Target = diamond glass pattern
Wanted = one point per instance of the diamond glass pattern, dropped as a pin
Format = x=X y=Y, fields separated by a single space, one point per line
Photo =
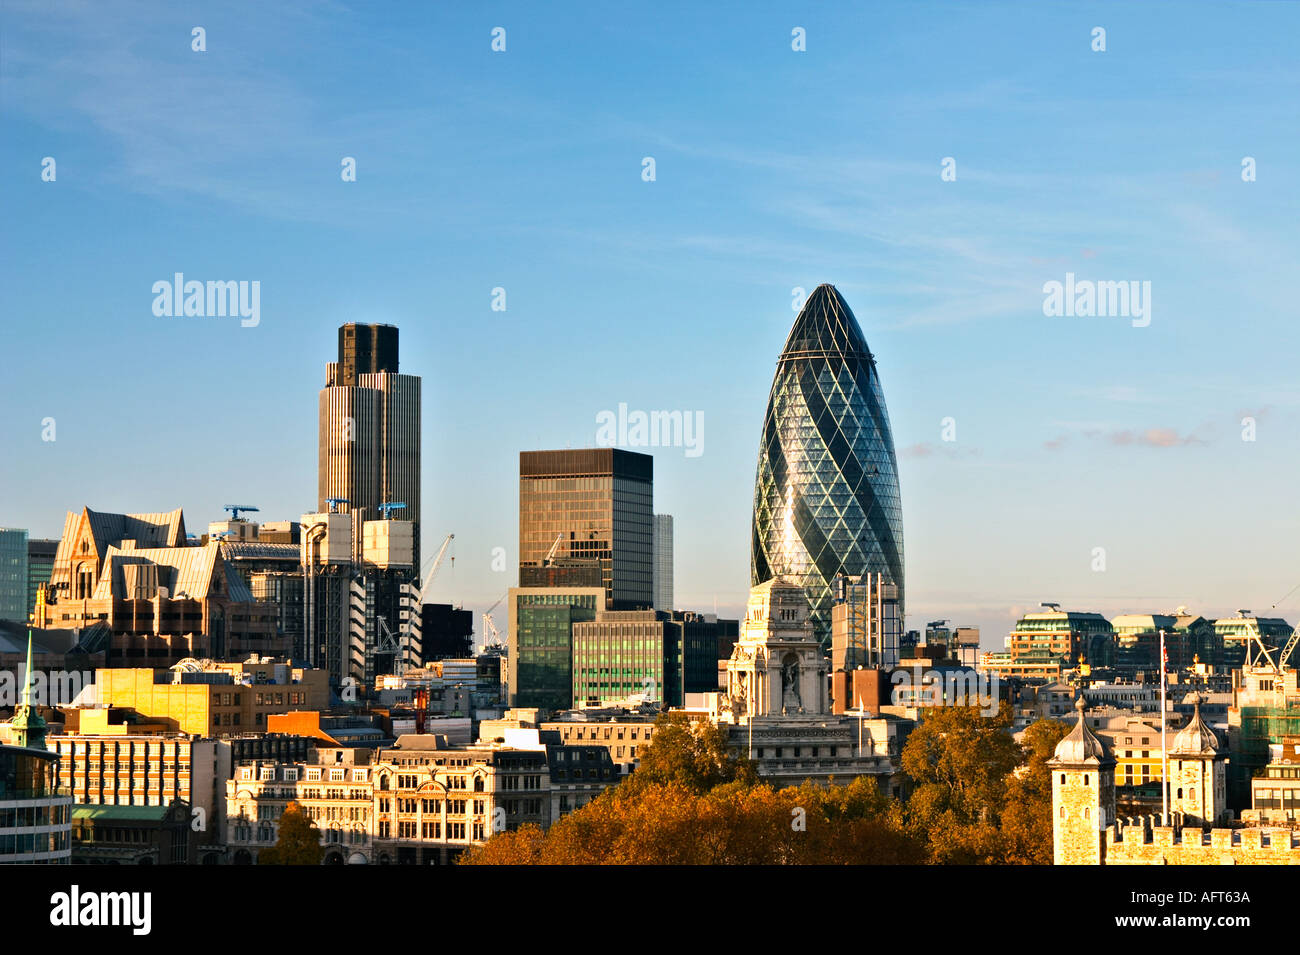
x=826 y=496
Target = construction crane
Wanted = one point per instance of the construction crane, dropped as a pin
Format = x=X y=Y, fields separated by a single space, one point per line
x=550 y=554
x=489 y=625
x=234 y=509
x=388 y=641
x=333 y=502
x=431 y=568
x=388 y=506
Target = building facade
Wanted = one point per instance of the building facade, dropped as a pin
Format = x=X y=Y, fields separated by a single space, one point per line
x=203 y=698
x=539 y=661
x=1045 y=644
x=162 y=598
x=13 y=575
x=626 y=653
x=866 y=623
x=419 y=802
x=35 y=808
x=826 y=495
x=663 y=562
x=370 y=428
x=591 y=505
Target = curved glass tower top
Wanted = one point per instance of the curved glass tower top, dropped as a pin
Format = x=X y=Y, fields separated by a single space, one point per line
x=826 y=496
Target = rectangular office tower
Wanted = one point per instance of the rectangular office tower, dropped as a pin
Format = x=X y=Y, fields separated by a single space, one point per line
x=592 y=507
x=13 y=575
x=370 y=429
x=663 y=573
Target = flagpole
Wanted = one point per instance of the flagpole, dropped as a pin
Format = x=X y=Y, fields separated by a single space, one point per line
x=1164 y=750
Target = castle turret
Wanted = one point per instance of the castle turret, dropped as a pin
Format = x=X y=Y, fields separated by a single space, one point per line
x=1083 y=795
x=1197 y=774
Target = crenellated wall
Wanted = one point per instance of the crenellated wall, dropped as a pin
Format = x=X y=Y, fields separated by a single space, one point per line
x=1142 y=841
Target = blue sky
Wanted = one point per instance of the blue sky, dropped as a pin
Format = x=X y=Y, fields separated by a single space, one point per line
x=775 y=169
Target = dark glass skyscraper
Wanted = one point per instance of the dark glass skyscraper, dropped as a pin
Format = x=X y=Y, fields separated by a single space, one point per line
x=590 y=507
x=826 y=496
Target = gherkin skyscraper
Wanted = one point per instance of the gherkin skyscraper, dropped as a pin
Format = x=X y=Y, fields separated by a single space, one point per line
x=826 y=496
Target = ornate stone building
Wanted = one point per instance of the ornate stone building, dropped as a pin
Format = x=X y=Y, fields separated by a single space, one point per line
x=777 y=668
x=777 y=703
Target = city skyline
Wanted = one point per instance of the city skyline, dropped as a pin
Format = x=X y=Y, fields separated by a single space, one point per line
x=1071 y=433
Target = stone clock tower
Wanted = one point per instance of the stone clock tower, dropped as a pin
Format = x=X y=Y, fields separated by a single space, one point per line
x=777 y=668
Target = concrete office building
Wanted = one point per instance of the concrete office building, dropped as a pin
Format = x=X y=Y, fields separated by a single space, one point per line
x=370 y=428
x=369 y=456
x=203 y=698
x=866 y=623
x=663 y=562
x=591 y=505
x=361 y=596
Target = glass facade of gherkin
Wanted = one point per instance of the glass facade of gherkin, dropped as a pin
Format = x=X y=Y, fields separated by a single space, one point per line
x=826 y=496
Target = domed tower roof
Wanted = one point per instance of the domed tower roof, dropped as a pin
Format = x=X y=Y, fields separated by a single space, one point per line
x=1197 y=738
x=1081 y=745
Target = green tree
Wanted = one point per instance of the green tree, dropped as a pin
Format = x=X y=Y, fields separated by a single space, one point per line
x=695 y=755
x=298 y=842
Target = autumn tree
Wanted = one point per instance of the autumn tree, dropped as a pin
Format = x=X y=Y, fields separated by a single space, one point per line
x=736 y=823
x=1027 y=817
x=298 y=842
x=958 y=761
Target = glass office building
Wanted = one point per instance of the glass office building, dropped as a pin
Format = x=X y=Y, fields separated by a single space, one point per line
x=35 y=810
x=587 y=507
x=826 y=499
x=540 y=639
x=13 y=575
